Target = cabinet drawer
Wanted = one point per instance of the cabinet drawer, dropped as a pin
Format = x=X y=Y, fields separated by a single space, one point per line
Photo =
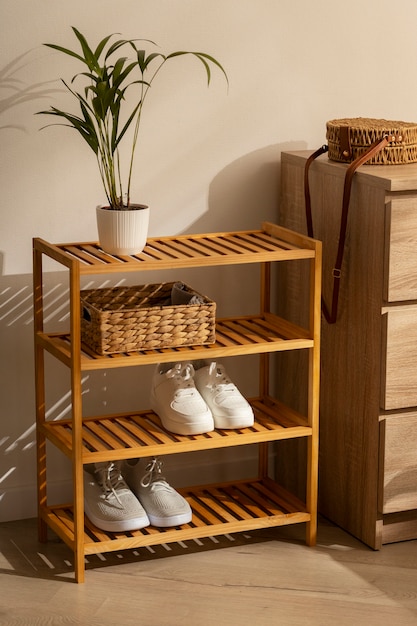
x=401 y=250
x=399 y=363
x=398 y=437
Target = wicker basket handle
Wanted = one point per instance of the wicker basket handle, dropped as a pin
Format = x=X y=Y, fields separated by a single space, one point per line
x=330 y=315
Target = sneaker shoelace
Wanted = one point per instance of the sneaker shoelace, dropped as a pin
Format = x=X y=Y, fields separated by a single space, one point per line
x=182 y=374
x=153 y=476
x=219 y=380
x=110 y=480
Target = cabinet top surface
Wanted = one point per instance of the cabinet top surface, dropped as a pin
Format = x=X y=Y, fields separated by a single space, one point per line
x=268 y=244
x=388 y=177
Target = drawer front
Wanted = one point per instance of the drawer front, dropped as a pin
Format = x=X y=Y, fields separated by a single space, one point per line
x=401 y=250
x=398 y=437
x=399 y=369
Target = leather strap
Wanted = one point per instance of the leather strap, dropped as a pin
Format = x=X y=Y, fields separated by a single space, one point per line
x=345 y=146
x=330 y=315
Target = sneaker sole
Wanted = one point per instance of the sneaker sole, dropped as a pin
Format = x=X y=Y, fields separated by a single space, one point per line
x=117 y=525
x=231 y=423
x=174 y=520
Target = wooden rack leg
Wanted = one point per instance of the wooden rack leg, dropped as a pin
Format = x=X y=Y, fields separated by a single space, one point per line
x=79 y=565
x=77 y=411
x=263 y=460
x=39 y=393
x=41 y=454
x=311 y=528
x=313 y=402
x=265 y=307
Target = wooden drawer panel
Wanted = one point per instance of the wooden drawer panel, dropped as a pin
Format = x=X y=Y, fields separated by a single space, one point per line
x=399 y=463
x=399 y=371
x=401 y=250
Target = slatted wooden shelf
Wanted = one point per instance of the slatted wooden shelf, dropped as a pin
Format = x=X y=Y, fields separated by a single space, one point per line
x=233 y=248
x=234 y=336
x=217 y=509
x=125 y=436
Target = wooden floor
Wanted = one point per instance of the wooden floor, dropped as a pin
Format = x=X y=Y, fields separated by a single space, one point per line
x=259 y=578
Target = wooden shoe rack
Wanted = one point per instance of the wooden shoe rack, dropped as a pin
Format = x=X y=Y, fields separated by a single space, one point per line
x=217 y=508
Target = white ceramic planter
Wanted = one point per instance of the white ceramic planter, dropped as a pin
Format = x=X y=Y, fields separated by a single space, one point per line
x=123 y=232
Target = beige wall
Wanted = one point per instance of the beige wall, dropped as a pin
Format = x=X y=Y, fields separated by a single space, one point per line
x=209 y=159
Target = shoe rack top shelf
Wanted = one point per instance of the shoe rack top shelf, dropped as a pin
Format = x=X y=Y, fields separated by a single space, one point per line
x=271 y=243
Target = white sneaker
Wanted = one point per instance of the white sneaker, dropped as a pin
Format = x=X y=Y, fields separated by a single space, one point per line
x=229 y=408
x=108 y=501
x=164 y=506
x=177 y=402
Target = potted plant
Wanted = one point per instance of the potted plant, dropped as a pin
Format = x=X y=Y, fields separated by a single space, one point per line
x=109 y=110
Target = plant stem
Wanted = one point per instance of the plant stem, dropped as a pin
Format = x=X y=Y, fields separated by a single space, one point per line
x=144 y=92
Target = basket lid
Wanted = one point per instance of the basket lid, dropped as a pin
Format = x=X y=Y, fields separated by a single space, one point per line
x=365 y=130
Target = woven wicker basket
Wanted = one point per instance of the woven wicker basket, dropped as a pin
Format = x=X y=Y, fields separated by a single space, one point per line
x=125 y=319
x=349 y=138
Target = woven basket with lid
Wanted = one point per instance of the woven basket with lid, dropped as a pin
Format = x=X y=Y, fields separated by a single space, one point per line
x=350 y=137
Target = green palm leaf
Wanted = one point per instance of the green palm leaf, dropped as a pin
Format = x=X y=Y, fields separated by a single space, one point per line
x=106 y=81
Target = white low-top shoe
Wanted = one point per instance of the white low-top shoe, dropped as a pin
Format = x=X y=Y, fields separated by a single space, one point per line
x=228 y=407
x=108 y=502
x=179 y=405
x=163 y=505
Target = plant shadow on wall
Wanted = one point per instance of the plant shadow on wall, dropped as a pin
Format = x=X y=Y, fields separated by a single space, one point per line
x=14 y=91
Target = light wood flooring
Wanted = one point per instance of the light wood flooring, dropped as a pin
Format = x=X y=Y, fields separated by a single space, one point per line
x=258 y=578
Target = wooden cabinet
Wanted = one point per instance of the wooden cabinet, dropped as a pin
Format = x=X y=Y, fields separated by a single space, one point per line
x=368 y=416
x=217 y=508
